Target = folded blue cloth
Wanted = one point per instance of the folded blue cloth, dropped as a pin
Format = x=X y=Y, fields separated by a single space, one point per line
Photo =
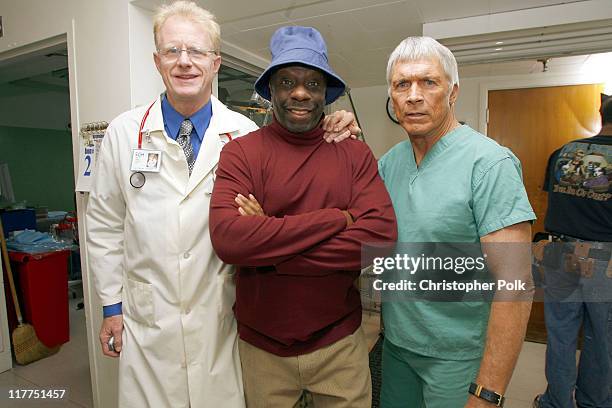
x=56 y=215
x=31 y=237
x=35 y=242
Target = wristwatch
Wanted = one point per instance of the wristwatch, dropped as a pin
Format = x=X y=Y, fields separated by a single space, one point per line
x=487 y=395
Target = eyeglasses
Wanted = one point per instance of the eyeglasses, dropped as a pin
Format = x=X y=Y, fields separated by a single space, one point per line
x=195 y=54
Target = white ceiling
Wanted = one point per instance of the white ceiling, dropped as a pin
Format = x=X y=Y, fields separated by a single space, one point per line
x=360 y=34
x=561 y=65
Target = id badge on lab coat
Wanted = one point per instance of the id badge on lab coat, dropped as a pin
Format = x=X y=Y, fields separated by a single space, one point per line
x=146 y=160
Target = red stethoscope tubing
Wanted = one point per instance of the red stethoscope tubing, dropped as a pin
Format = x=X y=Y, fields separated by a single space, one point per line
x=142 y=123
x=144 y=119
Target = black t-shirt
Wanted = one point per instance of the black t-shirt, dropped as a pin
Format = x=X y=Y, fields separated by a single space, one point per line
x=579 y=185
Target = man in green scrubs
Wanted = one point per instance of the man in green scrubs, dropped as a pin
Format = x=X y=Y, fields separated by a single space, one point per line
x=448 y=183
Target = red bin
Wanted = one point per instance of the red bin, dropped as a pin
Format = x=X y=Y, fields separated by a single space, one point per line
x=43 y=284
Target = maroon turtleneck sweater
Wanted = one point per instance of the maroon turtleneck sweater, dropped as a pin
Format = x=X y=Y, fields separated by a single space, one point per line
x=295 y=290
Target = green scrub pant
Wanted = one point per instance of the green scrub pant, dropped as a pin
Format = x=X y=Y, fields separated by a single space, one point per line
x=412 y=380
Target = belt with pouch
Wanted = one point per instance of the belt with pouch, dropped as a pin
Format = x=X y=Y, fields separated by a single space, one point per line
x=600 y=251
x=580 y=256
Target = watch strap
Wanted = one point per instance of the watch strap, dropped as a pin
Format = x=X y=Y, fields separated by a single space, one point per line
x=490 y=396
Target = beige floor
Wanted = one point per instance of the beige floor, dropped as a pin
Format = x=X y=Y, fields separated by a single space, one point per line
x=70 y=369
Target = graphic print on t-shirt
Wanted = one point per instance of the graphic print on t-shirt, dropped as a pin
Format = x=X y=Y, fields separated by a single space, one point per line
x=584 y=170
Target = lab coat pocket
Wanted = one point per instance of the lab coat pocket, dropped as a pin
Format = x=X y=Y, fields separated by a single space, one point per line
x=140 y=302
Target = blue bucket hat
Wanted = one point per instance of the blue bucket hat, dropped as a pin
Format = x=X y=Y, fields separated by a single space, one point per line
x=304 y=46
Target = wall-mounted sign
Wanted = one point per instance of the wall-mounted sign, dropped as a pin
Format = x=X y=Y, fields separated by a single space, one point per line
x=91 y=138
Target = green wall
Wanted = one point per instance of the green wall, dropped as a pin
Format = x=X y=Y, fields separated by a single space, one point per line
x=40 y=162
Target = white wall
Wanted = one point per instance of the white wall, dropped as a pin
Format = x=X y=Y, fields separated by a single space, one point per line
x=370 y=103
x=466 y=108
x=98 y=52
x=146 y=84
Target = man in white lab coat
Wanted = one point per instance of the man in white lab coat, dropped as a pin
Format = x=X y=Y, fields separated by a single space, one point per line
x=167 y=297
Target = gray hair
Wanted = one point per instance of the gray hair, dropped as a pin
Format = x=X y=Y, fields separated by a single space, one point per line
x=191 y=11
x=416 y=48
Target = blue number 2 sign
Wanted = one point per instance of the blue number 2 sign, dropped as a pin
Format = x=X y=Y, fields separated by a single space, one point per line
x=88 y=168
x=88 y=157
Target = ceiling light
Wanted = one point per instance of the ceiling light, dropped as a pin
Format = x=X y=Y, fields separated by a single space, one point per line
x=544 y=42
x=572 y=28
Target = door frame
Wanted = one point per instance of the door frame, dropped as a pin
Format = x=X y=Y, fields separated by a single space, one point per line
x=67 y=37
x=6 y=359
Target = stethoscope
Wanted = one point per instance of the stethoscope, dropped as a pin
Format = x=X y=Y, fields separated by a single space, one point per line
x=138 y=179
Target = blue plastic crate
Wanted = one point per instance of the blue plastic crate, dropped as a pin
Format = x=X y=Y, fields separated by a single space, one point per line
x=15 y=220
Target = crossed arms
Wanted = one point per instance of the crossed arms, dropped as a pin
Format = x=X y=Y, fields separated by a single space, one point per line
x=317 y=241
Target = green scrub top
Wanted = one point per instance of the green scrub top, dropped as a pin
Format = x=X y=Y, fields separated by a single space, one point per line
x=466 y=187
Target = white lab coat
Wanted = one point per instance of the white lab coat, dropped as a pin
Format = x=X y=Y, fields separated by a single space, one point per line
x=150 y=249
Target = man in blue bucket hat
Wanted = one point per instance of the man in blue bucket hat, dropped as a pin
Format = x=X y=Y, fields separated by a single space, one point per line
x=298 y=245
x=297 y=45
